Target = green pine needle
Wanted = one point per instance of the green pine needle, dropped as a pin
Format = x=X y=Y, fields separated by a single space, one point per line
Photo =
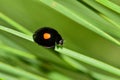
x=110 y=5
x=89 y=60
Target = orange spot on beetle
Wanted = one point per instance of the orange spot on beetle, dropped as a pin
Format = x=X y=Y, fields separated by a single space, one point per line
x=46 y=36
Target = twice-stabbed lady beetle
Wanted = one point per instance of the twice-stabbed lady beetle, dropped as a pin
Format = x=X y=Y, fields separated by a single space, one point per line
x=47 y=37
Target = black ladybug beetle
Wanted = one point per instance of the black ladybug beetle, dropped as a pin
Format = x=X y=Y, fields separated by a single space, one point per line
x=47 y=37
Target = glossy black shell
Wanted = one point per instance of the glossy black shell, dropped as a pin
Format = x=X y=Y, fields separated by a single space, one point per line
x=55 y=37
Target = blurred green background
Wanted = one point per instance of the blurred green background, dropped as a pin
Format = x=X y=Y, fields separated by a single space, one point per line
x=33 y=14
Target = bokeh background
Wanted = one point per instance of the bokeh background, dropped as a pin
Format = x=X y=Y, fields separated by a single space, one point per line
x=33 y=14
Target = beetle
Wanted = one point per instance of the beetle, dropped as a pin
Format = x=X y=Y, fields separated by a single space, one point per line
x=48 y=37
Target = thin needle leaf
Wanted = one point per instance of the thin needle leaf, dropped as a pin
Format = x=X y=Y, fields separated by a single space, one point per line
x=80 y=67
x=22 y=35
x=17 y=52
x=15 y=24
x=110 y=5
x=20 y=72
x=89 y=60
